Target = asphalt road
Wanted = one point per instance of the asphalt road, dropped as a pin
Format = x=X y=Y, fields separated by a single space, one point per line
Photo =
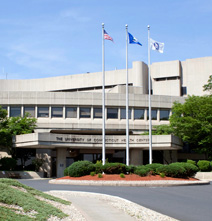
x=187 y=203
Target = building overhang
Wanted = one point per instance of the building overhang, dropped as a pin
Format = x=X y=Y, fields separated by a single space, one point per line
x=73 y=141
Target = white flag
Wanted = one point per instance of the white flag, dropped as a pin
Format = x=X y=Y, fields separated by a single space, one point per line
x=156 y=46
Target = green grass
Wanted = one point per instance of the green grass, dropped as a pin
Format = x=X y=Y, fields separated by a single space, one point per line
x=27 y=201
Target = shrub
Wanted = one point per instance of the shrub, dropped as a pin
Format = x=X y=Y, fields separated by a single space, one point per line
x=204 y=165
x=130 y=169
x=153 y=167
x=190 y=169
x=100 y=175
x=142 y=171
x=92 y=173
x=66 y=172
x=122 y=175
x=162 y=175
x=7 y=163
x=98 y=167
x=192 y=162
x=172 y=170
x=114 y=168
x=80 y=168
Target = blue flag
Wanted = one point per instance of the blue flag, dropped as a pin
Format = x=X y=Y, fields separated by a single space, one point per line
x=133 y=40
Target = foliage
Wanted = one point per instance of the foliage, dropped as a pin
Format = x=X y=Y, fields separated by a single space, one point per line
x=190 y=169
x=142 y=171
x=14 y=126
x=65 y=172
x=153 y=167
x=162 y=175
x=7 y=163
x=92 y=173
x=38 y=163
x=192 y=122
x=204 y=165
x=98 y=167
x=80 y=168
x=130 y=169
x=192 y=162
x=24 y=154
x=114 y=168
x=122 y=175
x=27 y=201
x=100 y=175
x=208 y=86
x=172 y=170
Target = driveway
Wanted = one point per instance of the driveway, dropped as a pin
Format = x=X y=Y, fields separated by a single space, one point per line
x=184 y=203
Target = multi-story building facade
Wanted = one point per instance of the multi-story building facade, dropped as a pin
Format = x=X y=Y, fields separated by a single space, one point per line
x=69 y=112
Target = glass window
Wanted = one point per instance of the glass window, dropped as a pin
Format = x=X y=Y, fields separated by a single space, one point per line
x=43 y=111
x=4 y=108
x=57 y=112
x=112 y=113
x=30 y=111
x=97 y=113
x=164 y=114
x=154 y=114
x=123 y=113
x=15 y=111
x=85 y=112
x=139 y=114
x=71 y=112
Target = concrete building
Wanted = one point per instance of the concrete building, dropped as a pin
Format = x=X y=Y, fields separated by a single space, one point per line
x=69 y=112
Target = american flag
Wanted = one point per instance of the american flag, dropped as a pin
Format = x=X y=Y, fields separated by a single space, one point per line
x=107 y=36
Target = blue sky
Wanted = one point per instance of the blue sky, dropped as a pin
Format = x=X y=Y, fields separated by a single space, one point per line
x=46 y=38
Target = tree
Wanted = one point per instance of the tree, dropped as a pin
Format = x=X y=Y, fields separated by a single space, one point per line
x=14 y=126
x=208 y=86
x=192 y=122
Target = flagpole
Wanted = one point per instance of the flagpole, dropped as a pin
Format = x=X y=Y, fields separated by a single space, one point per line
x=150 y=111
x=127 y=101
x=103 y=97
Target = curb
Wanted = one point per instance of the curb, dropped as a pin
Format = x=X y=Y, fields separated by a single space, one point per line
x=160 y=183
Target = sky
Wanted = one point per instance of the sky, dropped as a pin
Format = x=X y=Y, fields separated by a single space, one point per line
x=48 y=38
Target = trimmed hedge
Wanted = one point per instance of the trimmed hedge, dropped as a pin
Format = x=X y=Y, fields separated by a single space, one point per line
x=172 y=170
x=192 y=162
x=153 y=167
x=204 y=165
x=142 y=171
x=131 y=169
x=190 y=169
x=114 y=168
x=80 y=168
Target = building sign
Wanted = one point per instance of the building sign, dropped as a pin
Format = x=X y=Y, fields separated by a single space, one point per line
x=92 y=139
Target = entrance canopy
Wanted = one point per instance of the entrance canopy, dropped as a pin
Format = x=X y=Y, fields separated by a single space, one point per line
x=52 y=141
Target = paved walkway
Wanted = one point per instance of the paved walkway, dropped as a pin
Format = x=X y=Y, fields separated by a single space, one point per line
x=102 y=207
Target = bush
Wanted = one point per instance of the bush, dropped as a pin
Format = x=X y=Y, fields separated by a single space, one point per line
x=204 y=165
x=7 y=163
x=100 y=175
x=80 y=168
x=172 y=170
x=92 y=173
x=114 y=168
x=192 y=162
x=98 y=167
x=130 y=169
x=122 y=175
x=66 y=172
x=142 y=171
x=190 y=168
x=153 y=167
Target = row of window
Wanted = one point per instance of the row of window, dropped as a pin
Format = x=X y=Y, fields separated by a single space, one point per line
x=87 y=112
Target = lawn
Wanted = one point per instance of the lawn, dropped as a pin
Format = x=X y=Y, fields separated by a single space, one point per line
x=20 y=202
